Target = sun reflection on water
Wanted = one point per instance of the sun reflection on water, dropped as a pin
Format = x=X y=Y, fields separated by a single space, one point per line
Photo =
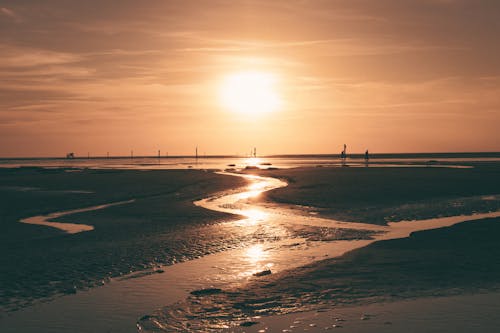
x=255 y=253
x=254 y=189
x=254 y=216
x=258 y=186
x=252 y=161
x=249 y=194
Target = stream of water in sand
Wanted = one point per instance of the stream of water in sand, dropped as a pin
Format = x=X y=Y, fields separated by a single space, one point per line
x=116 y=306
x=70 y=228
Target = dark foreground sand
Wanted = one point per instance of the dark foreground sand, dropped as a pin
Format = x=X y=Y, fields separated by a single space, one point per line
x=160 y=227
x=467 y=313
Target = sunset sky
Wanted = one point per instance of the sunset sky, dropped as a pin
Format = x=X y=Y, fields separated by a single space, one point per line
x=390 y=76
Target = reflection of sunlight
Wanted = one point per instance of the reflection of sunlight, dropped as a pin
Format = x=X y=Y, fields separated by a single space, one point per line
x=254 y=215
x=253 y=161
x=255 y=253
x=248 y=194
x=258 y=186
x=254 y=189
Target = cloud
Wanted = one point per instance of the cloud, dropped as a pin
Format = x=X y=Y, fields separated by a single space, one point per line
x=8 y=12
x=15 y=57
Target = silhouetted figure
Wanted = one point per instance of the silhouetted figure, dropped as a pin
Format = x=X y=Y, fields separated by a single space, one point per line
x=343 y=154
x=367 y=155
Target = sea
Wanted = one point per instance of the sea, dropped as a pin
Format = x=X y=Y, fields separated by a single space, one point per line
x=213 y=162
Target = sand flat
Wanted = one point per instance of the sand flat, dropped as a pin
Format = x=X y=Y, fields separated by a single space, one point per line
x=312 y=285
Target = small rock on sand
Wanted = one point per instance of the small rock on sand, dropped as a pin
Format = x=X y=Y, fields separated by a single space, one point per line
x=262 y=273
x=207 y=291
x=249 y=323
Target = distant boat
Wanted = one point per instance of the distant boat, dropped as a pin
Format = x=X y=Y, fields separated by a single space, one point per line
x=70 y=155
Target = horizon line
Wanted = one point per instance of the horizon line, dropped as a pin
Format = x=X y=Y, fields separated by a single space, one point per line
x=356 y=154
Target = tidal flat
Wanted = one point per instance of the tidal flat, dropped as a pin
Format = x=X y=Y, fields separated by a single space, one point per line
x=446 y=261
x=379 y=194
x=160 y=227
x=298 y=233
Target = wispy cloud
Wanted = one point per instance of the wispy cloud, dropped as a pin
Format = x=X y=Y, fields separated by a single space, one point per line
x=14 y=57
x=8 y=12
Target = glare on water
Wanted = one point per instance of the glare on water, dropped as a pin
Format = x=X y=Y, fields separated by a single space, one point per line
x=255 y=253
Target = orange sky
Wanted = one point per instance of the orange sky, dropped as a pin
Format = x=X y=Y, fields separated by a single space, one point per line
x=391 y=76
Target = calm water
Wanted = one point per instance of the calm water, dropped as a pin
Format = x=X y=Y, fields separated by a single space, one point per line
x=223 y=162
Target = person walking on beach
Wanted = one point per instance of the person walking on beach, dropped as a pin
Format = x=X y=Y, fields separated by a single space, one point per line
x=343 y=154
x=367 y=156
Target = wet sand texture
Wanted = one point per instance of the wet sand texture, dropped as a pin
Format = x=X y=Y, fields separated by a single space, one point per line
x=448 y=261
x=39 y=261
x=380 y=195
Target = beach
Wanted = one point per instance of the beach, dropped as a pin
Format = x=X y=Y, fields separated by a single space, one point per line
x=320 y=234
x=446 y=261
x=462 y=313
x=156 y=228
x=249 y=166
x=444 y=280
x=378 y=195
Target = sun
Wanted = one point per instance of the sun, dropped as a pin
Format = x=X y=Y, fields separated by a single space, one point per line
x=250 y=92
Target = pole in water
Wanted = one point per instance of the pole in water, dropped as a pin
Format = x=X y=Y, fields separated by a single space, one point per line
x=254 y=152
x=196 y=154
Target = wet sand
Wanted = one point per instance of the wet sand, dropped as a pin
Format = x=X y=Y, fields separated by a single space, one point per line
x=381 y=194
x=160 y=227
x=462 y=259
x=468 y=313
x=447 y=261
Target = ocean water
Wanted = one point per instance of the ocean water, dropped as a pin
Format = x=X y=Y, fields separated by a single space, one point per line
x=238 y=162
